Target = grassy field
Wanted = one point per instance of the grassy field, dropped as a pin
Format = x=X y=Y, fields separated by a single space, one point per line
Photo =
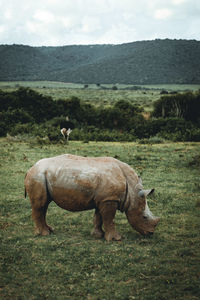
x=71 y=264
x=93 y=94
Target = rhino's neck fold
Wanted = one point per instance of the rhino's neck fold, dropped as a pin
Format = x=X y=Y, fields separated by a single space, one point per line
x=123 y=202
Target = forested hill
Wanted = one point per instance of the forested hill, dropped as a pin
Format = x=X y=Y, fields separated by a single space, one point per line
x=144 y=62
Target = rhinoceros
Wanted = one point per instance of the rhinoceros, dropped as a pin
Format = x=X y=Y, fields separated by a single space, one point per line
x=78 y=183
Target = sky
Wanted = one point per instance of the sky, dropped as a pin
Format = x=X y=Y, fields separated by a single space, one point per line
x=70 y=22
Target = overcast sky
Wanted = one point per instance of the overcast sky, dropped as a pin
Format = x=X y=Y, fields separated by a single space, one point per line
x=67 y=22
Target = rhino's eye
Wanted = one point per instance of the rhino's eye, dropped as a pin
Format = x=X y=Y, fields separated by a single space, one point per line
x=145 y=217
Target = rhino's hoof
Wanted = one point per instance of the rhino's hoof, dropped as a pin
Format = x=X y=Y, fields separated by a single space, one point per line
x=50 y=229
x=113 y=236
x=44 y=231
x=97 y=233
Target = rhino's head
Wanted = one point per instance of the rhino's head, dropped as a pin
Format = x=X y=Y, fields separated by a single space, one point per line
x=139 y=214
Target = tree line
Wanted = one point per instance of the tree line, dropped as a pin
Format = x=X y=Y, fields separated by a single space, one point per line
x=142 y=62
x=174 y=117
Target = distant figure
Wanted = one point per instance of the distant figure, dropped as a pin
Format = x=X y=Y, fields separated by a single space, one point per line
x=66 y=132
x=66 y=128
x=63 y=132
x=67 y=124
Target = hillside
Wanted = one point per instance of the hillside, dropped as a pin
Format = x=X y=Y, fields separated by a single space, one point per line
x=145 y=62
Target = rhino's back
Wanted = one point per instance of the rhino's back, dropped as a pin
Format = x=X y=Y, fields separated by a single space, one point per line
x=78 y=183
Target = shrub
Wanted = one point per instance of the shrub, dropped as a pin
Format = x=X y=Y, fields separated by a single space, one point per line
x=95 y=134
x=20 y=129
x=195 y=161
x=27 y=112
x=42 y=140
x=9 y=120
x=54 y=136
x=123 y=116
x=185 y=105
x=163 y=92
x=7 y=100
x=15 y=116
x=40 y=107
x=192 y=134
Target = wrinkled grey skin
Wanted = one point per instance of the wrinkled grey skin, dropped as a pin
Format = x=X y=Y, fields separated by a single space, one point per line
x=81 y=183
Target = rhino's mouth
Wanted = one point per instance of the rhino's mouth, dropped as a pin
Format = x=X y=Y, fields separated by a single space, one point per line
x=143 y=232
x=145 y=227
x=147 y=233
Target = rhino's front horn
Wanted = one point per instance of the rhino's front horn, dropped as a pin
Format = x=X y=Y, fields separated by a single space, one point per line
x=145 y=193
x=156 y=221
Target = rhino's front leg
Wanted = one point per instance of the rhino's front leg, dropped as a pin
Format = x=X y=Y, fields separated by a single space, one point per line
x=97 y=231
x=108 y=211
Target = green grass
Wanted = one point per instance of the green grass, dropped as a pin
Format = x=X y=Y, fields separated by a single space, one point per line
x=58 y=85
x=71 y=264
x=97 y=96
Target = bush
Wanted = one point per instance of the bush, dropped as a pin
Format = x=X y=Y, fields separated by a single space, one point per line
x=153 y=140
x=195 y=161
x=11 y=118
x=15 y=116
x=123 y=116
x=20 y=129
x=27 y=112
x=39 y=107
x=7 y=100
x=185 y=105
x=95 y=134
x=54 y=136
x=42 y=140
x=192 y=135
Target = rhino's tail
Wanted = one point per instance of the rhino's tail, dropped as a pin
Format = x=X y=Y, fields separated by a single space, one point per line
x=25 y=192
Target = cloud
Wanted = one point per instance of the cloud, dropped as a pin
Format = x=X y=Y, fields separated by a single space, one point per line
x=8 y=14
x=163 y=13
x=44 y=16
x=59 y=22
x=2 y=29
x=178 y=2
x=90 y=24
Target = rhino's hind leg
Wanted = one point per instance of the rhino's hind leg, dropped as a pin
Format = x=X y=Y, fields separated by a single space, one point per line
x=39 y=203
x=108 y=211
x=97 y=231
x=41 y=227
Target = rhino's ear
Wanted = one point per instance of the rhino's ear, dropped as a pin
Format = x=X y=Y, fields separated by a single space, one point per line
x=139 y=180
x=145 y=193
x=149 y=192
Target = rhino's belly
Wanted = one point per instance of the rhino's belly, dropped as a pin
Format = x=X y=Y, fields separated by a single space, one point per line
x=73 y=200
